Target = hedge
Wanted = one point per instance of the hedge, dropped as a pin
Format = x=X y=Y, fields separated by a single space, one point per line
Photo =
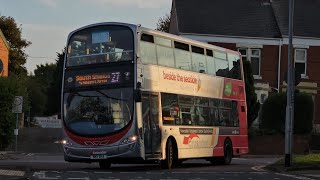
x=273 y=113
x=9 y=88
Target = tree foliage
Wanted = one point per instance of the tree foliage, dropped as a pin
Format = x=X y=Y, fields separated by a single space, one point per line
x=38 y=97
x=54 y=90
x=9 y=88
x=13 y=33
x=44 y=74
x=251 y=97
x=273 y=113
x=164 y=23
x=45 y=87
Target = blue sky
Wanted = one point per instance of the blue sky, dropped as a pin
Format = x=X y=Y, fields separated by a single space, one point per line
x=46 y=23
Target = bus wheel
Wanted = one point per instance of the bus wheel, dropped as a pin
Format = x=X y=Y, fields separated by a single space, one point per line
x=228 y=152
x=105 y=164
x=167 y=163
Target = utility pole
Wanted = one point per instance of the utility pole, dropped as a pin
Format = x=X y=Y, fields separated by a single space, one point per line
x=290 y=93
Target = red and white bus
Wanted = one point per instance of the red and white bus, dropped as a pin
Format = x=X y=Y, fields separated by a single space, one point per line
x=132 y=94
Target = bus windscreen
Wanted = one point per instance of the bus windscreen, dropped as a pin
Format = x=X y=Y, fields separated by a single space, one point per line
x=100 y=44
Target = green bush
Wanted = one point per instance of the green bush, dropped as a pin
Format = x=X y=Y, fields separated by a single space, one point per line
x=273 y=113
x=9 y=88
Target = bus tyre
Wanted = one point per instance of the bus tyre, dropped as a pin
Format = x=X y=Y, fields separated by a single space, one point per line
x=105 y=164
x=228 y=152
x=168 y=162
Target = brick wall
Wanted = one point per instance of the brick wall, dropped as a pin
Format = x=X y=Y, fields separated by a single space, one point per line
x=4 y=56
x=274 y=144
x=269 y=65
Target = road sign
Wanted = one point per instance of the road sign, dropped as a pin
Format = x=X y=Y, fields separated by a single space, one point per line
x=17 y=104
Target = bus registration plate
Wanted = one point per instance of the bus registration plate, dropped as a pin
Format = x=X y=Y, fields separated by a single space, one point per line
x=98 y=156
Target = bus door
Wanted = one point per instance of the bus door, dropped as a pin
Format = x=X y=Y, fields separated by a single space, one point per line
x=152 y=135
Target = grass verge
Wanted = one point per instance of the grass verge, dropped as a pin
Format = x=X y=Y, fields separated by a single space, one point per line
x=299 y=162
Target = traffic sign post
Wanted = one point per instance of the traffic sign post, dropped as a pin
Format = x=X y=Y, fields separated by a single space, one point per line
x=17 y=108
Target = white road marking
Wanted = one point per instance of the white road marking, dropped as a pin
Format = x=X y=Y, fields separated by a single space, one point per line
x=258 y=168
x=48 y=178
x=294 y=176
x=78 y=172
x=155 y=172
x=85 y=178
x=102 y=172
x=11 y=173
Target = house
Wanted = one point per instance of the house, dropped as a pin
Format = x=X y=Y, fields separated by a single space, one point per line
x=259 y=30
x=4 y=55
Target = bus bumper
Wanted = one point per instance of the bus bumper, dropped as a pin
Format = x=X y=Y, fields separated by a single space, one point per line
x=95 y=154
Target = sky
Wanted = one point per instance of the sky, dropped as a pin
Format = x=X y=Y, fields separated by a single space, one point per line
x=47 y=23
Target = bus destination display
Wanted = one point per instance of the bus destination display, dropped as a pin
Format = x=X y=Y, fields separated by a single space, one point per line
x=97 y=79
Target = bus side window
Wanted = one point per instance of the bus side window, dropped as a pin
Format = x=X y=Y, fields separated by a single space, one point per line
x=170 y=109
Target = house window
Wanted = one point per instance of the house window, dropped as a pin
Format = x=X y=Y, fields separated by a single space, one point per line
x=300 y=61
x=254 y=56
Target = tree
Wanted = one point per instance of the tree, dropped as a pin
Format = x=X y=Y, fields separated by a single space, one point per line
x=251 y=97
x=37 y=97
x=9 y=88
x=54 y=91
x=44 y=74
x=17 y=56
x=164 y=23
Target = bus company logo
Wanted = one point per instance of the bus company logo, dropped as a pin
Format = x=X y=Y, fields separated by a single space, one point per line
x=96 y=143
x=187 y=139
x=70 y=79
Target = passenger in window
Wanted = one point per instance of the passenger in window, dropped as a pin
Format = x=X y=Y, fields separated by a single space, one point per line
x=126 y=56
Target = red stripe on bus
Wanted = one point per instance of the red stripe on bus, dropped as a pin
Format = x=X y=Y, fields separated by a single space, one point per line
x=95 y=141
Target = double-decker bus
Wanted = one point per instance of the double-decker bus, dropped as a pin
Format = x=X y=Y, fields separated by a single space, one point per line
x=132 y=94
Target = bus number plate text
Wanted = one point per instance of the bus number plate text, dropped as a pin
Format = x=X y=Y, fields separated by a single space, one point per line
x=98 y=156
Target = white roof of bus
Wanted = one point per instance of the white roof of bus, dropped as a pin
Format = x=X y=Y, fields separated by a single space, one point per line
x=186 y=40
x=163 y=34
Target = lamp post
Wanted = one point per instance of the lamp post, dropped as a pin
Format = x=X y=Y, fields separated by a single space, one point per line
x=290 y=93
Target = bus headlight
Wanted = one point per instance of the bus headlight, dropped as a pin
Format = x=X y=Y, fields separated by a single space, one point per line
x=65 y=142
x=131 y=139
